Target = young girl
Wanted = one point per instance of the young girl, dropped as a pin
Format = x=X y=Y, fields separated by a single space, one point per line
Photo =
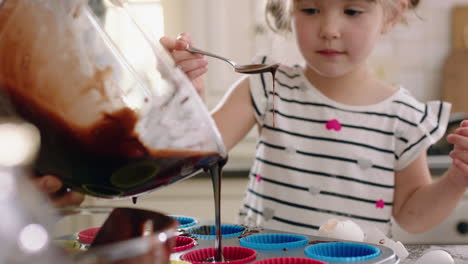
x=335 y=141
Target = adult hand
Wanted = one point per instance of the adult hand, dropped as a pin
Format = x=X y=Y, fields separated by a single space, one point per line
x=193 y=65
x=52 y=187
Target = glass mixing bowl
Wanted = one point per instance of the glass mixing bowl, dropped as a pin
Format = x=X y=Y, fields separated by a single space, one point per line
x=109 y=128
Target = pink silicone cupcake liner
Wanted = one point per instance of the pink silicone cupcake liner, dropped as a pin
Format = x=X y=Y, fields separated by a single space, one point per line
x=289 y=260
x=232 y=255
x=183 y=243
x=87 y=236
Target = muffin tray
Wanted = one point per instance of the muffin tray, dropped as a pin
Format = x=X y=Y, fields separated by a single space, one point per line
x=275 y=247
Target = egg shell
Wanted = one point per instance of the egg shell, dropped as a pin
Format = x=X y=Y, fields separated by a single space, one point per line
x=375 y=236
x=400 y=250
x=341 y=229
x=436 y=257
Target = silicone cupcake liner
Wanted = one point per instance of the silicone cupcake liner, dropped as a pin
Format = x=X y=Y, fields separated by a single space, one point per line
x=87 y=236
x=232 y=255
x=274 y=241
x=342 y=251
x=289 y=260
x=208 y=232
x=184 y=221
x=183 y=243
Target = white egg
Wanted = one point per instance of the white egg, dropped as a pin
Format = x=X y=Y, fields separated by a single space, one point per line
x=435 y=257
x=341 y=229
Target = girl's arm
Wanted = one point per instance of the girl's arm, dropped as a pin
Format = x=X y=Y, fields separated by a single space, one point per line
x=419 y=203
x=234 y=115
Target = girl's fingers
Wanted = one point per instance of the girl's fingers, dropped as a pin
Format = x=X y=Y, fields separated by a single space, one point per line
x=459 y=155
x=464 y=123
x=181 y=44
x=462 y=166
x=462 y=131
x=185 y=37
x=180 y=56
x=192 y=75
x=172 y=44
x=168 y=43
x=460 y=141
x=192 y=65
x=183 y=41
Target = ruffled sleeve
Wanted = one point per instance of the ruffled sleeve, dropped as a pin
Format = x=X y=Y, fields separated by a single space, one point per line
x=261 y=89
x=421 y=125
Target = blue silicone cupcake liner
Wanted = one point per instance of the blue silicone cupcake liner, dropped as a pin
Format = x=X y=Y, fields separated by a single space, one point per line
x=208 y=232
x=184 y=221
x=274 y=241
x=342 y=251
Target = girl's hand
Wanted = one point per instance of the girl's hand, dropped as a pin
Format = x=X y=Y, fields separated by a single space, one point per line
x=52 y=187
x=459 y=154
x=193 y=65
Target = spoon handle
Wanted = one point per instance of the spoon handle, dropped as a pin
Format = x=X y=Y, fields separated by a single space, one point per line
x=199 y=51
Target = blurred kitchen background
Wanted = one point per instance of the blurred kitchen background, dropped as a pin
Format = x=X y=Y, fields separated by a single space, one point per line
x=413 y=55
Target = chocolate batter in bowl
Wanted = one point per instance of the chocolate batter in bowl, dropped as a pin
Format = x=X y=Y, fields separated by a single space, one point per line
x=107 y=128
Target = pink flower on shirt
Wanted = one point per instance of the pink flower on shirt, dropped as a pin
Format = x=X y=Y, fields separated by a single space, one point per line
x=380 y=204
x=333 y=125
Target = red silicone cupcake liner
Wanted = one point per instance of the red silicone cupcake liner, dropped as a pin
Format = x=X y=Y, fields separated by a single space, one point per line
x=183 y=243
x=289 y=260
x=232 y=255
x=87 y=236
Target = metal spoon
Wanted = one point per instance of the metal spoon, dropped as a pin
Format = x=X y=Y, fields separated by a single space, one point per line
x=247 y=69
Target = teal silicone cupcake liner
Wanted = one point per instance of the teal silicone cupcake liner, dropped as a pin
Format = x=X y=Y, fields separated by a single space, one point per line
x=208 y=232
x=184 y=221
x=342 y=251
x=274 y=241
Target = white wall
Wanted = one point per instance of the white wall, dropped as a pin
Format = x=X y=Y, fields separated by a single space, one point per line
x=417 y=52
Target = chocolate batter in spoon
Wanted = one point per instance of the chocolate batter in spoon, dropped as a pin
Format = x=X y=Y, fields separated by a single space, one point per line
x=246 y=69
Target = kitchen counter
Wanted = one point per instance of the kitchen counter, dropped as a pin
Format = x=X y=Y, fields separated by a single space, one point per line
x=458 y=252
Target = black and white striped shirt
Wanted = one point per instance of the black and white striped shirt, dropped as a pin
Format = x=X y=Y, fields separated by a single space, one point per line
x=317 y=159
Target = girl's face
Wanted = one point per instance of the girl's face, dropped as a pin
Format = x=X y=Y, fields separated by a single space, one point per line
x=336 y=36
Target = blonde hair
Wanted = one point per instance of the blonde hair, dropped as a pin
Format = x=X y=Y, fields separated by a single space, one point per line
x=278 y=12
